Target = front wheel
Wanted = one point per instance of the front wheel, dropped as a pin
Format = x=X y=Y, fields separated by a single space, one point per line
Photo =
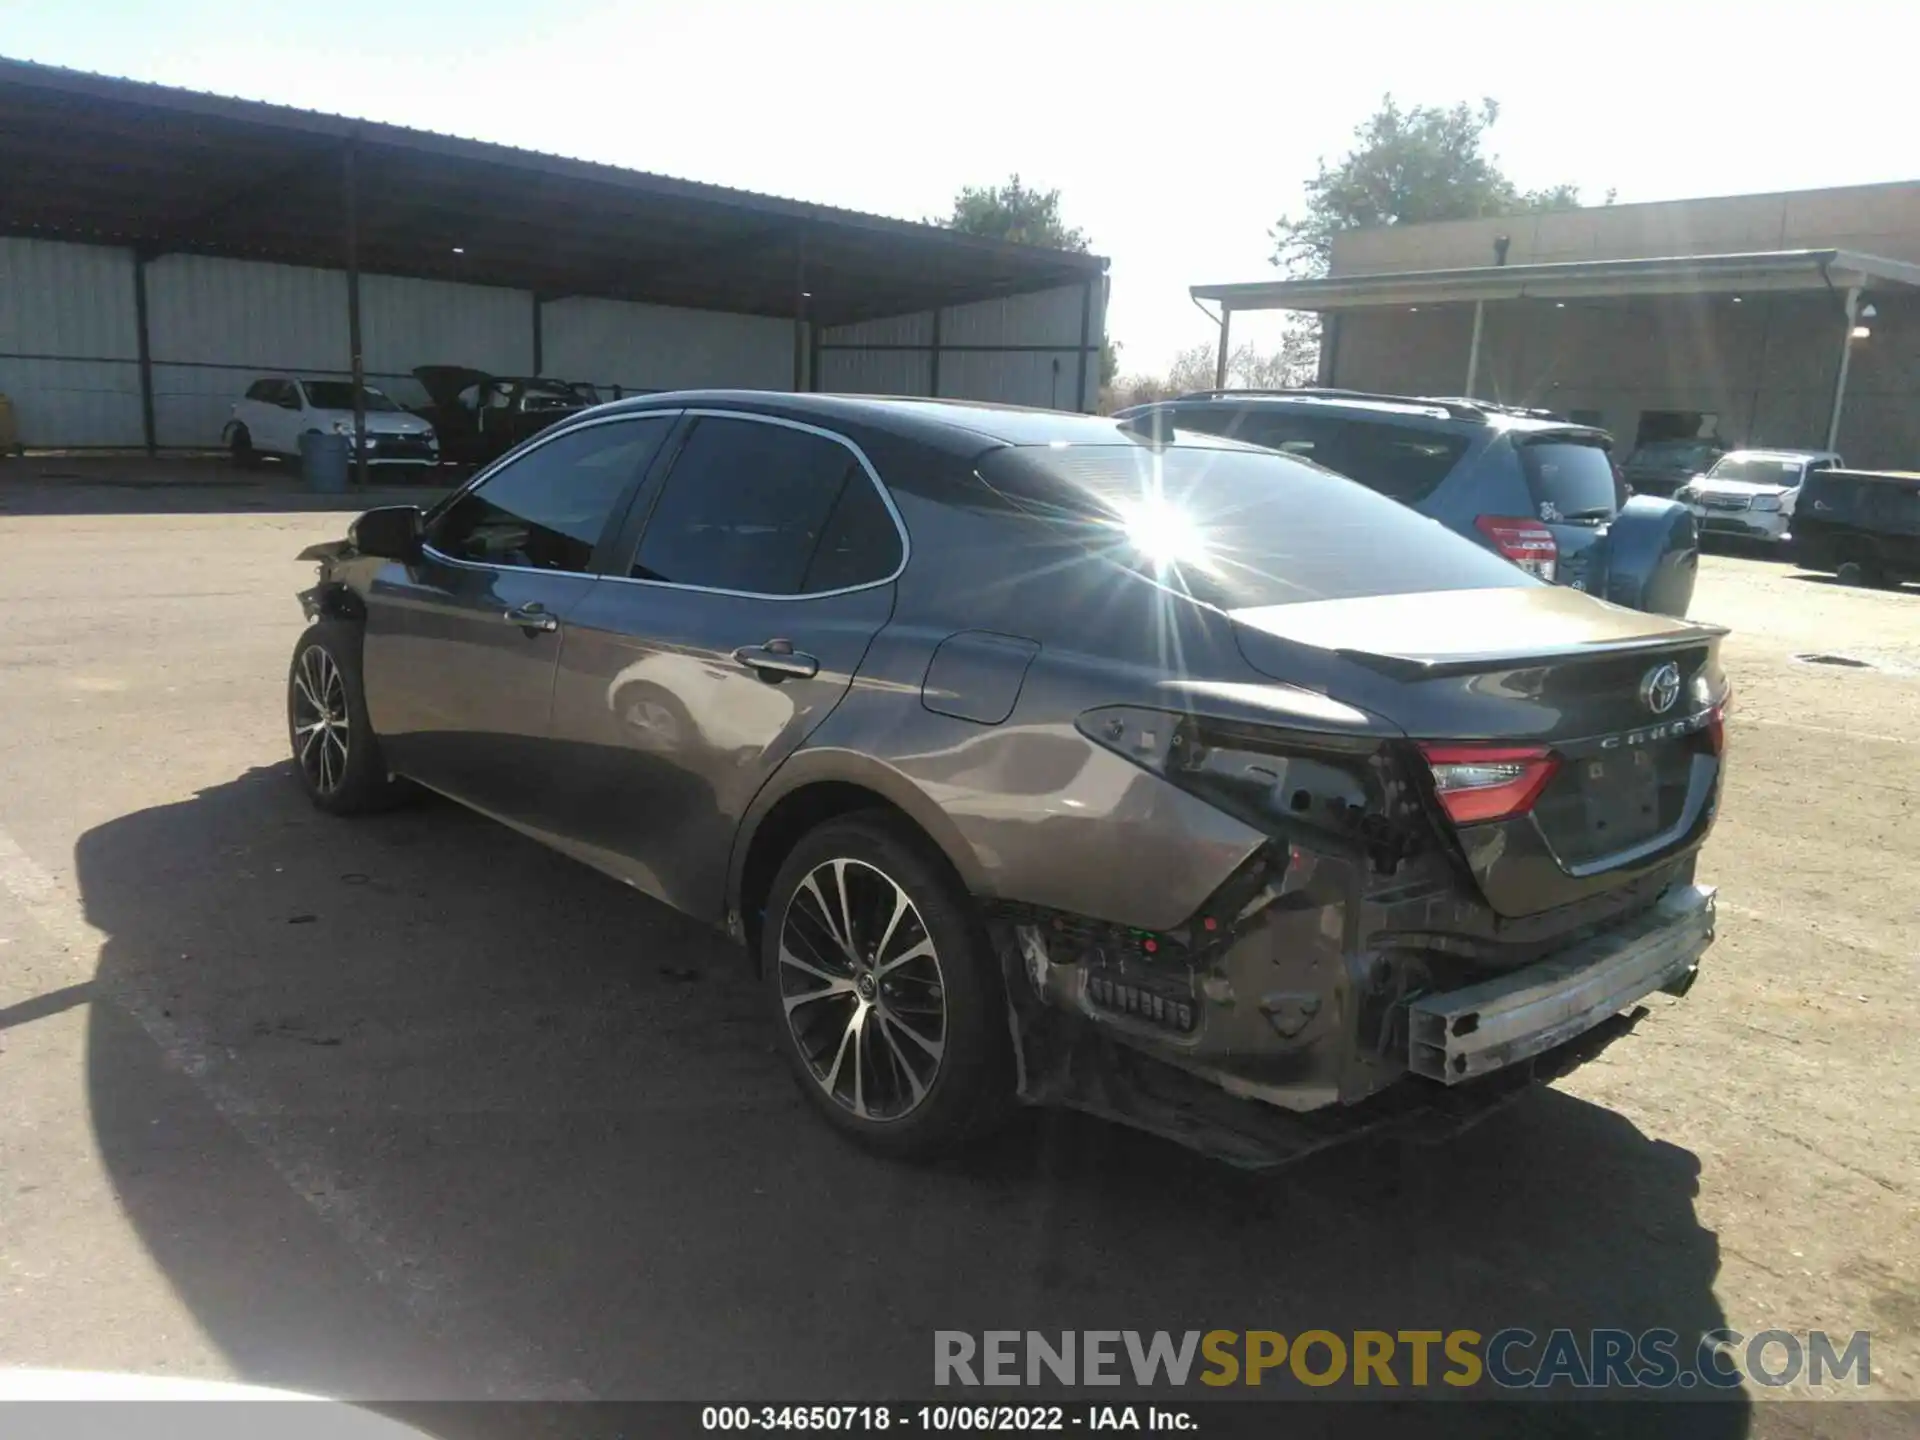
x=335 y=752
x=885 y=989
x=240 y=449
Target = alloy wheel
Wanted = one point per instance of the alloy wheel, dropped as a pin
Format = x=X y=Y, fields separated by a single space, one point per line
x=861 y=986
x=321 y=725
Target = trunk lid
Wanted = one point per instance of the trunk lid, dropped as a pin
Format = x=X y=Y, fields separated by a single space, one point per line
x=1623 y=701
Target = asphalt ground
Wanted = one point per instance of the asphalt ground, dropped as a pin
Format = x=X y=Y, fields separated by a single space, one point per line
x=410 y=1107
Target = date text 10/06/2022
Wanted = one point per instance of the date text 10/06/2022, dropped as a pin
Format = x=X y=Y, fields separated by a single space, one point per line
x=938 y=1418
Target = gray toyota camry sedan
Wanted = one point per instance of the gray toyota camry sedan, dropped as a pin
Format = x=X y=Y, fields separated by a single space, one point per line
x=1039 y=757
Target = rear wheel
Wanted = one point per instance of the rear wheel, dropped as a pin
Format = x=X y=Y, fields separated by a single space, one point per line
x=240 y=449
x=885 y=989
x=335 y=752
x=1860 y=572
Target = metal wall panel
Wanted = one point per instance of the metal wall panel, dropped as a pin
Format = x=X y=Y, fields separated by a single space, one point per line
x=876 y=372
x=916 y=329
x=655 y=347
x=69 y=300
x=69 y=343
x=1051 y=317
x=248 y=315
x=1011 y=377
x=57 y=403
x=997 y=360
x=404 y=323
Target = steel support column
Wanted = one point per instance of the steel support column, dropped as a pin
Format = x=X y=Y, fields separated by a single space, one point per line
x=1220 y=359
x=351 y=188
x=145 y=350
x=1846 y=359
x=933 y=369
x=800 y=311
x=1086 y=340
x=1473 y=348
x=539 y=340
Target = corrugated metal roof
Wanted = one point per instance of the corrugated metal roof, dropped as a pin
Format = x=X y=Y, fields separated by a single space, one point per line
x=97 y=157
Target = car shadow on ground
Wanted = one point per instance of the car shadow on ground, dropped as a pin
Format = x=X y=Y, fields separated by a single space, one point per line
x=410 y=1106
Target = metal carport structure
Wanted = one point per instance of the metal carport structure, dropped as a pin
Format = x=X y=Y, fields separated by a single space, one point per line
x=158 y=173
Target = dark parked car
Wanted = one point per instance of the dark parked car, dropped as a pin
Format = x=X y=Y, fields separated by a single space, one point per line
x=1863 y=525
x=1039 y=756
x=1538 y=490
x=479 y=417
x=1661 y=467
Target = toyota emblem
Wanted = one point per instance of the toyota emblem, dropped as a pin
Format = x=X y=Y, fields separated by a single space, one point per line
x=1661 y=688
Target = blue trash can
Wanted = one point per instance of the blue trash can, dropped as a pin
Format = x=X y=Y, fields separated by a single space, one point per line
x=324 y=462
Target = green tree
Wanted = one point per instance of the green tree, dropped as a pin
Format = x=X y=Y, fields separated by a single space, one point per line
x=1407 y=167
x=1015 y=212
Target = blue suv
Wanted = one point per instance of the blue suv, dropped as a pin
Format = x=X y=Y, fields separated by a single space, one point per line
x=1533 y=487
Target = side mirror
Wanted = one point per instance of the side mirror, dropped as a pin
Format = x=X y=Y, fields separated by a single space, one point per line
x=391 y=532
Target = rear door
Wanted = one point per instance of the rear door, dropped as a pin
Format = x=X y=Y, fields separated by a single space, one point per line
x=764 y=566
x=461 y=645
x=1571 y=485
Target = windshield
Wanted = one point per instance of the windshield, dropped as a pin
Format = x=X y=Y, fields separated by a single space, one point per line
x=1569 y=480
x=1240 y=528
x=1758 y=469
x=338 y=395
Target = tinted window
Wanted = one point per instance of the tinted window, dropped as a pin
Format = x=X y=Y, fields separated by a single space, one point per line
x=338 y=395
x=1241 y=528
x=1400 y=461
x=1757 y=469
x=547 y=509
x=260 y=390
x=767 y=509
x=1569 y=480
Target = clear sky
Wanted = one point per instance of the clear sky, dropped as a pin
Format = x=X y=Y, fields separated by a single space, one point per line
x=1176 y=133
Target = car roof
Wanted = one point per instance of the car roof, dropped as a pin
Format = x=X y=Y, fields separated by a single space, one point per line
x=1771 y=454
x=977 y=424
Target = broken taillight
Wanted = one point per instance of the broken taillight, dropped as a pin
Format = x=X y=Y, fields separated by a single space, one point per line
x=1527 y=543
x=1488 y=782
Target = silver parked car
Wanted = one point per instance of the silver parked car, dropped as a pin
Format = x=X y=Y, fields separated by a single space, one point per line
x=1046 y=757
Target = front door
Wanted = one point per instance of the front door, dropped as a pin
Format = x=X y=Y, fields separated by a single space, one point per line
x=764 y=569
x=461 y=645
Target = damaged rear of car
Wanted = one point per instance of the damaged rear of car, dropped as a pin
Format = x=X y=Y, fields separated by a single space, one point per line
x=1308 y=802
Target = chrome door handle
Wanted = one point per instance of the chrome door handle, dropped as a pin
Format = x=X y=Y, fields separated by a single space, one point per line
x=777 y=660
x=531 y=616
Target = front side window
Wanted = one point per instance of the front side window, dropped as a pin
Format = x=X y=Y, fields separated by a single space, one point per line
x=338 y=395
x=547 y=509
x=767 y=509
x=261 y=390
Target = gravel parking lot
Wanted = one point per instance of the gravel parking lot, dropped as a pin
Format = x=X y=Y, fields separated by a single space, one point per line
x=413 y=1107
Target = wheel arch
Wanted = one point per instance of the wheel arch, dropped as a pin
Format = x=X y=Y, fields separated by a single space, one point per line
x=813 y=787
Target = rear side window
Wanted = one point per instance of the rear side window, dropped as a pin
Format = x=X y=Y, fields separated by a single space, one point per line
x=1569 y=480
x=1240 y=528
x=767 y=509
x=1400 y=461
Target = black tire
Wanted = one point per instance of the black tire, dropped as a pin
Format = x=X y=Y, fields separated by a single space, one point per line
x=1860 y=572
x=917 y=1110
x=339 y=765
x=240 y=449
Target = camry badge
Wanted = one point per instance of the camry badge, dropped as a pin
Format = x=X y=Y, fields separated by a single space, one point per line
x=1660 y=688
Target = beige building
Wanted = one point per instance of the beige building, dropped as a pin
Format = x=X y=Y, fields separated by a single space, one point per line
x=1790 y=319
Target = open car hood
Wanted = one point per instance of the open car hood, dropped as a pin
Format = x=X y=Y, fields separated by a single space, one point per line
x=445 y=382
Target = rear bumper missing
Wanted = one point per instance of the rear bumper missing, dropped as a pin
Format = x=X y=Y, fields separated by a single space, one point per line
x=1459 y=1034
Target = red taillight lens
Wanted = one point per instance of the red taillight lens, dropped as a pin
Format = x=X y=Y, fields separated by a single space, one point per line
x=1527 y=543
x=1489 y=782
